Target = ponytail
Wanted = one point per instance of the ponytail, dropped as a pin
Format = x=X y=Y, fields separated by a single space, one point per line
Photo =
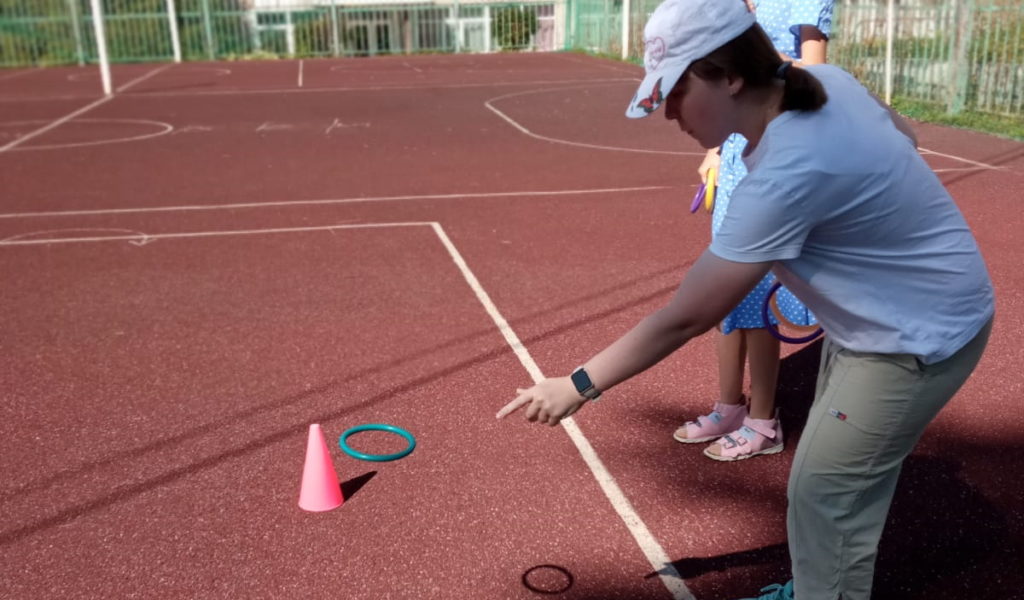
x=803 y=91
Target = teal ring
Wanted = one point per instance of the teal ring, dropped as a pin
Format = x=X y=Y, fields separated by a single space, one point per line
x=342 y=441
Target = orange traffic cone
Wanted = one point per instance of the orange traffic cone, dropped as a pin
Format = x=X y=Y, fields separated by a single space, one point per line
x=320 y=489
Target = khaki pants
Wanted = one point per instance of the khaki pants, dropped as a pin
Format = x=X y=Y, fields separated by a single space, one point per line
x=869 y=411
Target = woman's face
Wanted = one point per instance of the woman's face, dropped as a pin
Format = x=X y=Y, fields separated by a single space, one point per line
x=702 y=108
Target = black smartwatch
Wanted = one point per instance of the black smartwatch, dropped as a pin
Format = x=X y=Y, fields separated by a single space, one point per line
x=584 y=385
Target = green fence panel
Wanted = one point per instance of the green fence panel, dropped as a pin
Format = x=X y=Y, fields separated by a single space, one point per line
x=596 y=26
x=960 y=55
x=956 y=54
x=41 y=32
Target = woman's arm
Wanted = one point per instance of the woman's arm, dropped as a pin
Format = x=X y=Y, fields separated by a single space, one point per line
x=711 y=288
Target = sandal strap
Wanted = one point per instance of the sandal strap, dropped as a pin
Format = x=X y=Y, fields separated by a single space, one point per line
x=727 y=441
x=713 y=418
x=760 y=426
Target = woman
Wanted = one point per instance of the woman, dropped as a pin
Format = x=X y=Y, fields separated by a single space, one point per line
x=840 y=206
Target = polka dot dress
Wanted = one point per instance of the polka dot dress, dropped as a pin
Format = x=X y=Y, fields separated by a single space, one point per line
x=776 y=17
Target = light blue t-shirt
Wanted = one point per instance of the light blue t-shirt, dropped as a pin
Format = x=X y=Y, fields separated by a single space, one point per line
x=859 y=228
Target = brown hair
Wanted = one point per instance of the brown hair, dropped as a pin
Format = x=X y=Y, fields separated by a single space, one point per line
x=752 y=57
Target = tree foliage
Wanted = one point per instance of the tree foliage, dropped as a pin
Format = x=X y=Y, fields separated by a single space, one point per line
x=512 y=27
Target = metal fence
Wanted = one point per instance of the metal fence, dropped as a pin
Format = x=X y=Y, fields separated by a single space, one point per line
x=959 y=54
x=962 y=54
x=956 y=54
x=49 y=32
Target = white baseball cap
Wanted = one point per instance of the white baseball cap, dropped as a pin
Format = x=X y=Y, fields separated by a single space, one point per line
x=678 y=33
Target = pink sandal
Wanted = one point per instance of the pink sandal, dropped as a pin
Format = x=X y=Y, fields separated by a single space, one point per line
x=754 y=438
x=723 y=419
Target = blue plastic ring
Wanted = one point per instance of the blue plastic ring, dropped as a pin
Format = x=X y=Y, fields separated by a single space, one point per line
x=342 y=441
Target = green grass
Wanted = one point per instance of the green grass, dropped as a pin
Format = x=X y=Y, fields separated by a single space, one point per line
x=1001 y=125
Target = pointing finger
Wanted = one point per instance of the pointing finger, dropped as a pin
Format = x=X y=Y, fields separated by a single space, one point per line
x=520 y=401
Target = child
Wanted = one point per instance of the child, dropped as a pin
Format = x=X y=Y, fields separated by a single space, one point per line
x=799 y=29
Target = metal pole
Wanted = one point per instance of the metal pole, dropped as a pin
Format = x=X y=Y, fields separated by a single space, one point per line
x=961 y=62
x=76 y=27
x=252 y=21
x=335 y=38
x=101 y=46
x=208 y=29
x=172 y=21
x=625 y=29
x=889 y=28
x=458 y=27
x=289 y=31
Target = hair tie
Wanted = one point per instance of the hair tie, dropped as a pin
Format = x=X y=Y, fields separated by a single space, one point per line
x=780 y=73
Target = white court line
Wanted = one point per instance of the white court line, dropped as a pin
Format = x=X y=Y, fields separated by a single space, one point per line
x=300 y=72
x=142 y=238
x=652 y=550
x=54 y=98
x=164 y=129
x=158 y=209
x=84 y=109
x=38 y=132
x=20 y=74
x=962 y=169
x=617 y=67
x=376 y=88
x=545 y=138
x=135 y=237
x=144 y=77
x=959 y=158
x=521 y=128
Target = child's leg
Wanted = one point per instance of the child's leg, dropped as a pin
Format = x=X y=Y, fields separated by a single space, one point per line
x=730 y=410
x=763 y=354
x=759 y=433
x=732 y=354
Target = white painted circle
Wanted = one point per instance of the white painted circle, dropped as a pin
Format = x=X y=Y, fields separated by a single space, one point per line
x=159 y=128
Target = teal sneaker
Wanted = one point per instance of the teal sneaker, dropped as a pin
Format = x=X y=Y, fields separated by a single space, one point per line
x=776 y=591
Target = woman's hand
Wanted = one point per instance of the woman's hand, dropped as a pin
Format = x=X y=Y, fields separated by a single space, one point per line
x=548 y=402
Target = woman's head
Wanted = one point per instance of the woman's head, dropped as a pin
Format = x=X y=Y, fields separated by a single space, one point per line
x=712 y=61
x=740 y=82
x=678 y=33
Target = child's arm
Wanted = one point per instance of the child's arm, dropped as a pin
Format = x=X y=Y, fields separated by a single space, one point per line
x=712 y=160
x=813 y=45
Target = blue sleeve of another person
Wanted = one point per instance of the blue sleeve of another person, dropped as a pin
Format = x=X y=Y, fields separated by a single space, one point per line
x=782 y=19
x=811 y=12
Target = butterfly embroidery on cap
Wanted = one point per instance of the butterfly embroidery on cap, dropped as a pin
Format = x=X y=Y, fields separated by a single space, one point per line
x=650 y=103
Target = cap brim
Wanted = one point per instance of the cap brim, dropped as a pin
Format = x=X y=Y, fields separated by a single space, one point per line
x=653 y=90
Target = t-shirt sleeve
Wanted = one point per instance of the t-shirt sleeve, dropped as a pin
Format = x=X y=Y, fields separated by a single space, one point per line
x=766 y=221
x=811 y=12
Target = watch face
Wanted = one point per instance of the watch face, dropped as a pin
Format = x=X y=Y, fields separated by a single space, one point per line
x=581 y=380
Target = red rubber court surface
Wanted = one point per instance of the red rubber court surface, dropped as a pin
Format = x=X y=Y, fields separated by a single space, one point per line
x=221 y=254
